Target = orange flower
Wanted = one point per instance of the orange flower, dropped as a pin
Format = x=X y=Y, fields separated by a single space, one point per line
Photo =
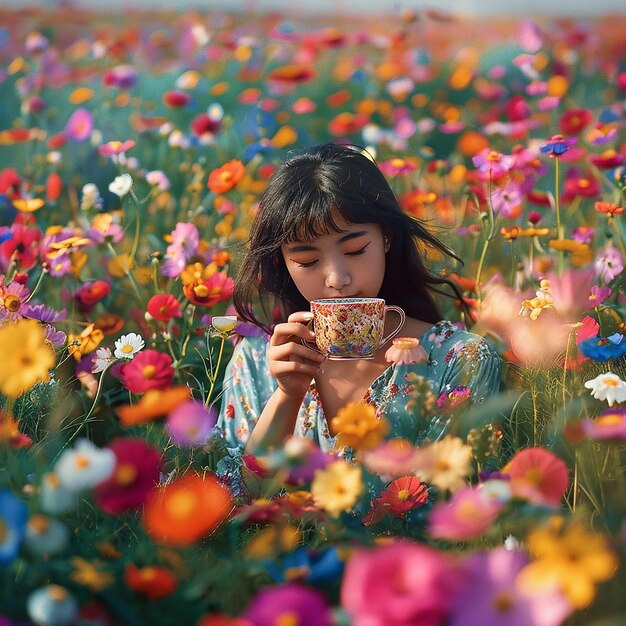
x=187 y=509
x=154 y=582
x=608 y=208
x=109 y=323
x=86 y=342
x=153 y=404
x=224 y=178
x=291 y=74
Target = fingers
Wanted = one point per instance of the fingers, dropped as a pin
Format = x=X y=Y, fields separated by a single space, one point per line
x=286 y=332
x=295 y=352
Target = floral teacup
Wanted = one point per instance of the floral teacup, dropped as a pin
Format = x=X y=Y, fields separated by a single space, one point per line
x=351 y=328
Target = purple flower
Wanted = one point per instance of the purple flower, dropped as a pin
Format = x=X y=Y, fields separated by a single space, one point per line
x=491 y=596
x=190 y=423
x=296 y=603
x=43 y=313
x=56 y=337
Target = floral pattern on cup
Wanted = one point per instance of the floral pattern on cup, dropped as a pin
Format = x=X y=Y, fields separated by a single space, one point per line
x=352 y=328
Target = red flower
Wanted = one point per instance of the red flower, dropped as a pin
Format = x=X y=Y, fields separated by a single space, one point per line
x=154 y=582
x=10 y=182
x=573 y=121
x=224 y=178
x=401 y=496
x=219 y=619
x=608 y=159
x=176 y=99
x=347 y=123
x=137 y=470
x=217 y=288
x=164 y=307
x=608 y=208
x=54 y=187
x=24 y=243
x=149 y=369
x=579 y=184
x=89 y=294
x=204 y=125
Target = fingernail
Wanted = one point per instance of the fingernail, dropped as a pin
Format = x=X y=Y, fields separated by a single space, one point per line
x=308 y=316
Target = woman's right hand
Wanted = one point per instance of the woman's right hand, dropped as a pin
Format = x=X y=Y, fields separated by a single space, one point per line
x=292 y=364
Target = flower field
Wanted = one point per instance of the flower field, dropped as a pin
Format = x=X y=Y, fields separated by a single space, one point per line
x=133 y=150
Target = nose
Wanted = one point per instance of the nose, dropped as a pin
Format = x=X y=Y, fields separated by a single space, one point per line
x=337 y=277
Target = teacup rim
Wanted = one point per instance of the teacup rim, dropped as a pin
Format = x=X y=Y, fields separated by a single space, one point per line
x=344 y=300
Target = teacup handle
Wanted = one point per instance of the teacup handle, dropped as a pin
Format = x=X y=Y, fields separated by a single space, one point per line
x=310 y=344
x=402 y=314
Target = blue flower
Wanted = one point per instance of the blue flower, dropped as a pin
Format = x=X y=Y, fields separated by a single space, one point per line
x=603 y=348
x=308 y=566
x=557 y=145
x=13 y=516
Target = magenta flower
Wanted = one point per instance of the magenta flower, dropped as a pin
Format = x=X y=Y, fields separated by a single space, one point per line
x=288 y=604
x=398 y=584
x=148 y=370
x=490 y=595
x=136 y=473
x=468 y=515
x=507 y=200
x=190 y=423
x=492 y=163
x=80 y=125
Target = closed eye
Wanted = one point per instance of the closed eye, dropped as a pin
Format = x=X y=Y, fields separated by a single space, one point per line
x=301 y=264
x=359 y=251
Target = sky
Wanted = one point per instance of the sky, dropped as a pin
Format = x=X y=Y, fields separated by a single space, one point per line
x=460 y=7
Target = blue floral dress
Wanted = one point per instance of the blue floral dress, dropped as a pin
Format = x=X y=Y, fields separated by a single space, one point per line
x=456 y=359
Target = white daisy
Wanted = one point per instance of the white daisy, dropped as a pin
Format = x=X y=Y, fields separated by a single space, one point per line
x=84 y=466
x=609 y=387
x=121 y=185
x=127 y=346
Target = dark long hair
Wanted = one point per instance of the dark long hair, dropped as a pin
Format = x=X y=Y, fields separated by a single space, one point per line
x=298 y=204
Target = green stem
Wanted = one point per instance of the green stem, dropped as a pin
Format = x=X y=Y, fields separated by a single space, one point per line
x=215 y=370
x=37 y=284
x=557 y=206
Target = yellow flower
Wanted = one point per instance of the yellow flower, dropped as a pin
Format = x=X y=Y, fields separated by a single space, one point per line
x=26 y=357
x=88 y=575
x=357 y=426
x=273 y=540
x=86 y=342
x=570 y=556
x=580 y=253
x=197 y=272
x=337 y=487
x=444 y=463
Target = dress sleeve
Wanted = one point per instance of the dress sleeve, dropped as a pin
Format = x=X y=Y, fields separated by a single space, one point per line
x=469 y=361
x=247 y=387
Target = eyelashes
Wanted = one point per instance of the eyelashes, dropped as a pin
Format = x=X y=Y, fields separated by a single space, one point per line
x=312 y=263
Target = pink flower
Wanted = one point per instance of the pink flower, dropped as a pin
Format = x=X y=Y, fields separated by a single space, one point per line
x=609 y=425
x=398 y=584
x=467 y=515
x=115 y=147
x=148 y=370
x=608 y=264
x=190 y=423
x=538 y=475
x=136 y=473
x=120 y=77
x=80 y=125
x=392 y=458
x=405 y=350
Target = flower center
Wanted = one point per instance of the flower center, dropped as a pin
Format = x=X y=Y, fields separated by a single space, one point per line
x=81 y=461
x=3 y=531
x=57 y=593
x=403 y=495
x=127 y=348
x=503 y=602
x=12 y=303
x=149 y=371
x=202 y=291
x=610 y=382
x=533 y=476
x=125 y=474
x=289 y=618
x=39 y=524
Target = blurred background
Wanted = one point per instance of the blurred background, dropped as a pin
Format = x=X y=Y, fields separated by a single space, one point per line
x=458 y=7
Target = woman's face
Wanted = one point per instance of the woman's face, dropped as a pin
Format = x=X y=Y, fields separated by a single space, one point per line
x=345 y=264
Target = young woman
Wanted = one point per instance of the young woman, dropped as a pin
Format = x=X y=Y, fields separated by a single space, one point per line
x=329 y=226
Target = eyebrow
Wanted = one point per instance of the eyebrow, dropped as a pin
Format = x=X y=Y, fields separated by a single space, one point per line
x=309 y=248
